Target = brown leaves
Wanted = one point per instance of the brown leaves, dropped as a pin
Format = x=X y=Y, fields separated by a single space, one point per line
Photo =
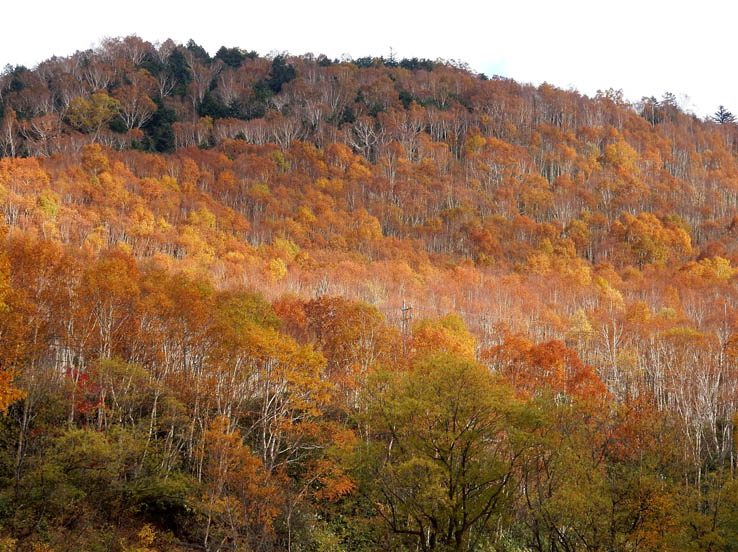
x=547 y=366
x=240 y=496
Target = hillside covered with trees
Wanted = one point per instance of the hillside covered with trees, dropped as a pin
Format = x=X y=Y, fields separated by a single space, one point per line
x=295 y=303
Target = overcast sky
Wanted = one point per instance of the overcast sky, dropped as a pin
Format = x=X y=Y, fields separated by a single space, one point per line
x=644 y=47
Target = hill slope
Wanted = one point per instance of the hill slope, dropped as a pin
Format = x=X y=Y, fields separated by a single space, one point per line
x=225 y=282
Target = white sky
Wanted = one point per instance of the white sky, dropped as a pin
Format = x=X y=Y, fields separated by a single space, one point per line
x=645 y=47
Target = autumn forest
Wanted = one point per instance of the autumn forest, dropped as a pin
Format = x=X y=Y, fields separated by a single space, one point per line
x=294 y=303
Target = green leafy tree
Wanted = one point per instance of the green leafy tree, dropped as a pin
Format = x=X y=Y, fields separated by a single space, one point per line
x=159 y=133
x=445 y=441
x=723 y=116
x=281 y=73
x=90 y=116
x=233 y=57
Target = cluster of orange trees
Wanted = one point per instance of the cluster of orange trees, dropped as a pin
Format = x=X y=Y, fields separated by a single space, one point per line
x=300 y=304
